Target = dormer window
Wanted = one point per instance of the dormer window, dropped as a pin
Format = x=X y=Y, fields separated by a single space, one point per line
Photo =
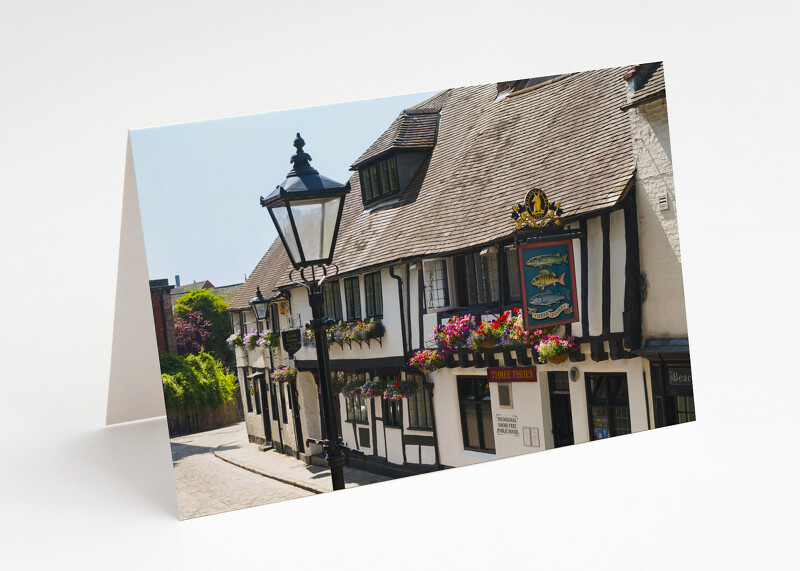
x=379 y=179
x=387 y=168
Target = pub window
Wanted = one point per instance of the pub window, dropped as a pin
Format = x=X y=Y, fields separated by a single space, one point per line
x=609 y=409
x=356 y=406
x=333 y=300
x=512 y=273
x=257 y=395
x=352 y=298
x=393 y=412
x=437 y=291
x=420 y=410
x=475 y=406
x=379 y=179
x=373 y=294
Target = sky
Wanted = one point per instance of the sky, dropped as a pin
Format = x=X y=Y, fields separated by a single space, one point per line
x=199 y=183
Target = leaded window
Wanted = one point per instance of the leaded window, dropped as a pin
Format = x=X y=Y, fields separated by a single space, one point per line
x=393 y=413
x=420 y=409
x=379 y=179
x=482 y=278
x=373 y=294
x=333 y=300
x=352 y=298
x=356 y=406
x=437 y=291
x=609 y=409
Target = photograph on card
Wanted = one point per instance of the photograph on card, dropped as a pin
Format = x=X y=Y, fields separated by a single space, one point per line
x=455 y=277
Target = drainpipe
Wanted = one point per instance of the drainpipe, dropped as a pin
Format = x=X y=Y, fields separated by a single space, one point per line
x=429 y=387
x=402 y=312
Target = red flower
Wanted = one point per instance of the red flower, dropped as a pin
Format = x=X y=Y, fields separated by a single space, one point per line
x=397 y=384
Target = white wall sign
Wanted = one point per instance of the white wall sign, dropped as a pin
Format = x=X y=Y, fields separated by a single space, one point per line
x=507 y=425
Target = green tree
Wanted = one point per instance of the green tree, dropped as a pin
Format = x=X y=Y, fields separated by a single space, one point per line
x=214 y=310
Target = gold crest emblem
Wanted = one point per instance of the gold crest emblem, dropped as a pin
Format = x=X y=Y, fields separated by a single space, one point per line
x=537 y=212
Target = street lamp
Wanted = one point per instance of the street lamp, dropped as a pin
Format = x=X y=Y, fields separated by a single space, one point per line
x=306 y=209
x=259 y=304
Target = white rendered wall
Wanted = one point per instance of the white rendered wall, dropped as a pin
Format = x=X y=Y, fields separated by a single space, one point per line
x=663 y=310
x=617 y=255
x=531 y=405
x=594 y=247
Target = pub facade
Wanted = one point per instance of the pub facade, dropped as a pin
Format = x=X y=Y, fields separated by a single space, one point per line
x=428 y=235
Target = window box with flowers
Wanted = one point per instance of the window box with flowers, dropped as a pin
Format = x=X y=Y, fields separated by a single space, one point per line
x=397 y=389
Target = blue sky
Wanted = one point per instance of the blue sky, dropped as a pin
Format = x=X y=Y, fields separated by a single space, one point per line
x=199 y=183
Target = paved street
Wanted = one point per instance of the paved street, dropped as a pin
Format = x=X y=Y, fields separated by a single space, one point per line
x=208 y=485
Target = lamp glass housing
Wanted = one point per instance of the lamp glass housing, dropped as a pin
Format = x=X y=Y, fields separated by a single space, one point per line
x=308 y=227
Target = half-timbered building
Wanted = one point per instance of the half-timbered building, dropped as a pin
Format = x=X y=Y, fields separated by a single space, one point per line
x=427 y=234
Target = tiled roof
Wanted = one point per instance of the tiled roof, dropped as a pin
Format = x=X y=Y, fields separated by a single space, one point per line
x=273 y=267
x=568 y=137
x=414 y=128
x=652 y=86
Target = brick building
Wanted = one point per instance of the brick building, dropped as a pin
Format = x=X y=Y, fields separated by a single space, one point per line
x=161 y=300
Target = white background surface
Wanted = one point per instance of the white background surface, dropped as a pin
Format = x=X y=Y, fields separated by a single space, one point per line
x=74 y=77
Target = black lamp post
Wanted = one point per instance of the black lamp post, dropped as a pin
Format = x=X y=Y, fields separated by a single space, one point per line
x=306 y=209
x=259 y=304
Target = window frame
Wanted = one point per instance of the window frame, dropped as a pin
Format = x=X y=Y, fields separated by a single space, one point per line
x=371 y=302
x=480 y=412
x=355 y=405
x=376 y=174
x=448 y=274
x=425 y=395
x=392 y=409
x=353 y=294
x=609 y=401
x=336 y=303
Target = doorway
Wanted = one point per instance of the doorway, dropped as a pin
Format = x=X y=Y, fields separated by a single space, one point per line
x=560 y=409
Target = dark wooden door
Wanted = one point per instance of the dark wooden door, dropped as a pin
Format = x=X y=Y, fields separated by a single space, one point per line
x=560 y=409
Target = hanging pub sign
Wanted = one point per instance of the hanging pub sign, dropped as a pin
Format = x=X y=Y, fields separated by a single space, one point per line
x=547 y=271
x=292 y=341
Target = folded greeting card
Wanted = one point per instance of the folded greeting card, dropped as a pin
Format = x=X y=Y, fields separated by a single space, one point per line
x=344 y=295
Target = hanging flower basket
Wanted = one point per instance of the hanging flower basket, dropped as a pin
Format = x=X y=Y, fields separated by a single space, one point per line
x=374 y=329
x=235 y=340
x=397 y=389
x=373 y=387
x=353 y=386
x=308 y=338
x=427 y=361
x=284 y=375
x=269 y=339
x=250 y=340
x=553 y=349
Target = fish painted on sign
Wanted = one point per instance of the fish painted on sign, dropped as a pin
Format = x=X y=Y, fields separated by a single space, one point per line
x=553 y=259
x=549 y=297
x=547 y=278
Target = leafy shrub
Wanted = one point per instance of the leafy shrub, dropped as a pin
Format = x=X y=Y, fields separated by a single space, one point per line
x=196 y=380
